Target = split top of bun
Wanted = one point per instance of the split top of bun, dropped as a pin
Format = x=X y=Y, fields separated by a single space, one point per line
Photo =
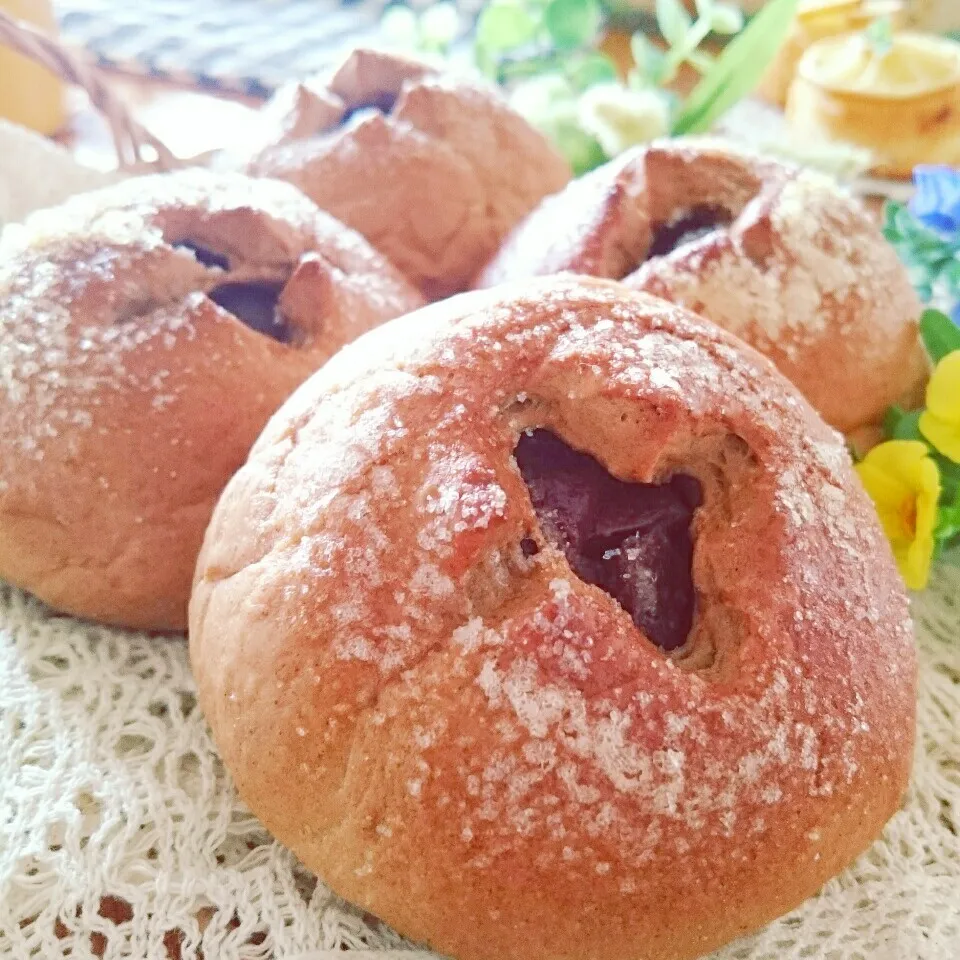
x=433 y=167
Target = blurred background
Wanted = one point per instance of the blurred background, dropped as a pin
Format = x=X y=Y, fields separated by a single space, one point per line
x=192 y=70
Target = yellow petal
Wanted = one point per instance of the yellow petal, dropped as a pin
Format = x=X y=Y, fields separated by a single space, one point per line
x=889 y=470
x=943 y=390
x=914 y=563
x=885 y=489
x=928 y=500
x=944 y=434
x=904 y=483
x=894 y=471
x=888 y=496
x=899 y=458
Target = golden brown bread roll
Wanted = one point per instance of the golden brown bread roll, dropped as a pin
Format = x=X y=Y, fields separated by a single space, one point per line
x=431 y=169
x=147 y=332
x=779 y=256
x=552 y=623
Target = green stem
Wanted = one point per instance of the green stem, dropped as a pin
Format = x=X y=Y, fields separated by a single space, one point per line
x=679 y=54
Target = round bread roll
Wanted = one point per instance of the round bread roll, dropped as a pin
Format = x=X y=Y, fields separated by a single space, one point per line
x=433 y=170
x=147 y=332
x=779 y=256
x=552 y=623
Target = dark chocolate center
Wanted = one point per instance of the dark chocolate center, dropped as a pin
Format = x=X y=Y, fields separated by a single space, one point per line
x=204 y=255
x=380 y=103
x=631 y=539
x=694 y=224
x=254 y=303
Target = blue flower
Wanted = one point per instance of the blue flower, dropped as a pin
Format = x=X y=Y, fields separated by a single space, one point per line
x=936 y=202
x=955 y=315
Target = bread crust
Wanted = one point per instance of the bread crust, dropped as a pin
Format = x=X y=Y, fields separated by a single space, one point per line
x=434 y=176
x=801 y=272
x=128 y=397
x=480 y=748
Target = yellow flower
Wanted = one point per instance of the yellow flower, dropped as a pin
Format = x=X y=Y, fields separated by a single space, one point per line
x=940 y=422
x=904 y=483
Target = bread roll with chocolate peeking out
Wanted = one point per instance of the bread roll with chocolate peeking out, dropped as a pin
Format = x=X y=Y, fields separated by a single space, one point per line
x=432 y=169
x=779 y=256
x=552 y=623
x=147 y=333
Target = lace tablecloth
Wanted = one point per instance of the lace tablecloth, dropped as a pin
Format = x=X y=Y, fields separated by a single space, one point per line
x=121 y=834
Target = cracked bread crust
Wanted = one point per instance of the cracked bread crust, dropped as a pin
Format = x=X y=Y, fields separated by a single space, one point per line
x=432 y=169
x=128 y=396
x=480 y=748
x=796 y=267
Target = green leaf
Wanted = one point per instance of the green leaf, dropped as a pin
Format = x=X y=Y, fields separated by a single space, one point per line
x=582 y=150
x=504 y=25
x=550 y=103
x=890 y=420
x=950 y=274
x=650 y=60
x=738 y=69
x=948 y=523
x=591 y=69
x=949 y=478
x=905 y=221
x=702 y=62
x=572 y=23
x=891 y=220
x=584 y=155
x=879 y=35
x=673 y=21
x=902 y=424
x=726 y=19
x=940 y=334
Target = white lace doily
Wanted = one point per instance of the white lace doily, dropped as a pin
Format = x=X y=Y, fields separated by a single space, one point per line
x=121 y=835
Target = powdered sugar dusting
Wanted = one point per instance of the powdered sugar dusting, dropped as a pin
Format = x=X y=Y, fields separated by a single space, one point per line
x=815 y=256
x=801 y=273
x=95 y=296
x=561 y=723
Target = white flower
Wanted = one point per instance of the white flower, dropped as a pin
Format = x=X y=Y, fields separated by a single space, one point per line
x=551 y=105
x=537 y=97
x=620 y=118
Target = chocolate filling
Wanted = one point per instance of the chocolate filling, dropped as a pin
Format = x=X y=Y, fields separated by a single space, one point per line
x=630 y=539
x=380 y=103
x=254 y=303
x=204 y=255
x=697 y=222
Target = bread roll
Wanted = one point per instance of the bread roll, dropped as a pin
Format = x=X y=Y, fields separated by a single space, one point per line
x=779 y=256
x=432 y=169
x=147 y=332
x=552 y=623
